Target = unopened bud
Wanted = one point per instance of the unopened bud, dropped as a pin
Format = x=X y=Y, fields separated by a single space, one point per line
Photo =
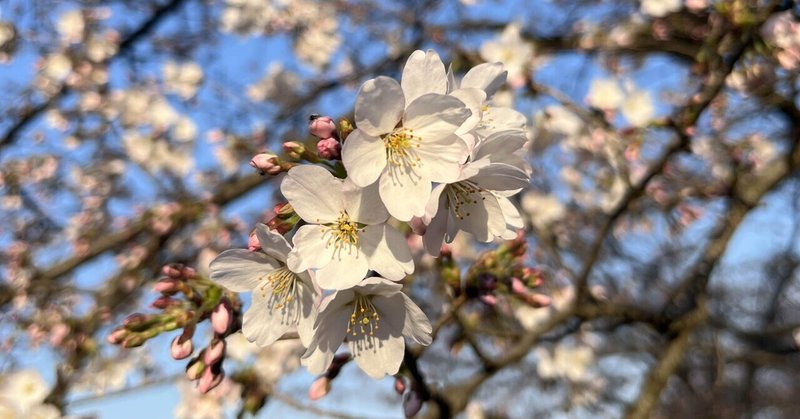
x=181 y=348
x=319 y=388
x=172 y=270
x=163 y=302
x=266 y=163
x=284 y=210
x=488 y=299
x=136 y=322
x=188 y=273
x=329 y=149
x=215 y=352
x=399 y=385
x=167 y=286
x=321 y=126
x=133 y=340
x=294 y=149
x=210 y=379
x=412 y=402
x=531 y=298
x=253 y=244
x=345 y=128
x=417 y=226
x=221 y=318
x=195 y=369
x=117 y=336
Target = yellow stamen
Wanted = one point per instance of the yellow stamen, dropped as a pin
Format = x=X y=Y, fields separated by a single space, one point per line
x=401 y=147
x=461 y=194
x=365 y=316
x=283 y=283
x=343 y=232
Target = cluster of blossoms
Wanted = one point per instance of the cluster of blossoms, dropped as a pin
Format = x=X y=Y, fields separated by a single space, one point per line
x=429 y=154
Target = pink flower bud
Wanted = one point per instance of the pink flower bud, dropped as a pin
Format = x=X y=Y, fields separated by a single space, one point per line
x=172 y=270
x=163 y=302
x=321 y=126
x=253 y=244
x=294 y=149
x=417 y=226
x=319 y=388
x=399 y=385
x=488 y=299
x=517 y=287
x=188 y=273
x=180 y=348
x=329 y=149
x=117 y=336
x=167 y=286
x=209 y=380
x=221 y=318
x=214 y=353
x=266 y=163
x=195 y=369
x=136 y=322
x=412 y=402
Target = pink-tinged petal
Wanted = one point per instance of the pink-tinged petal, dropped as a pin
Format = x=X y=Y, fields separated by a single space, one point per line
x=435 y=116
x=379 y=106
x=441 y=159
x=424 y=73
x=272 y=243
x=364 y=205
x=347 y=268
x=404 y=192
x=387 y=251
x=311 y=249
x=473 y=99
x=239 y=270
x=314 y=193
x=364 y=157
x=488 y=77
x=263 y=323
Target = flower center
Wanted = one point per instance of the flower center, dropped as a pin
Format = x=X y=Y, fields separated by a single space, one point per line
x=401 y=147
x=365 y=317
x=284 y=286
x=461 y=194
x=344 y=232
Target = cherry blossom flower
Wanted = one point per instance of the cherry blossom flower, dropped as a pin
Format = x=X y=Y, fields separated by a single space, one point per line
x=605 y=94
x=22 y=395
x=373 y=316
x=660 y=8
x=346 y=235
x=638 y=108
x=282 y=298
x=512 y=50
x=406 y=158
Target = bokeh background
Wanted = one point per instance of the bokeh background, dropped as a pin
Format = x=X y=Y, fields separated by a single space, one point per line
x=662 y=213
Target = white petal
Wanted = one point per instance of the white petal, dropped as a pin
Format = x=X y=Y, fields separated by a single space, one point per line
x=239 y=270
x=364 y=205
x=376 y=285
x=437 y=227
x=487 y=76
x=482 y=218
x=380 y=354
x=346 y=269
x=473 y=99
x=263 y=323
x=416 y=327
x=404 y=192
x=329 y=334
x=272 y=243
x=502 y=142
x=387 y=251
x=435 y=204
x=364 y=157
x=311 y=249
x=512 y=216
x=314 y=193
x=501 y=177
x=308 y=314
x=441 y=159
x=424 y=73
x=435 y=116
x=379 y=106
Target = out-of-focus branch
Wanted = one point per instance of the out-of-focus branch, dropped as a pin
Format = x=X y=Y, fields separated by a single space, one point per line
x=28 y=115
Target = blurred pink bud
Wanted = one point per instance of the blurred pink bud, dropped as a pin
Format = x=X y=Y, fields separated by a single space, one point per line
x=399 y=385
x=180 y=348
x=163 y=302
x=133 y=341
x=195 y=369
x=221 y=318
x=488 y=299
x=517 y=287
x=319 y=388
x=321 y=126
x=412 y=402
x=252 y=242
x=215 y=352
x=172 y=270
x=417 y=226
x=534 y=299
x=266 y=163
x=329 y=149
x=294 y=149
x=188 y=273
x=117 y=336
x=209 y=380
x=167 y=286
x=136 y=322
